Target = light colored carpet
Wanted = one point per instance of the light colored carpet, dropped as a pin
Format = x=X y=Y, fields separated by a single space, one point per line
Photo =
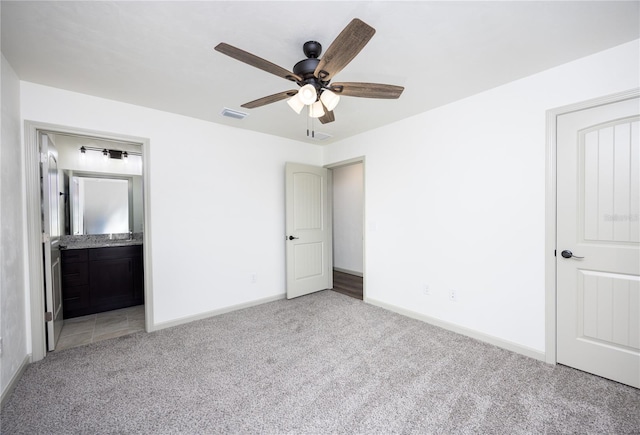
x=324 y=363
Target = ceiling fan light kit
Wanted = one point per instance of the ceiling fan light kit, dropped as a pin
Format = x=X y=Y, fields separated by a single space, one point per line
x=308 y=94
x=330 y=99
x=295 y=103
x=314 y=75
x=316 y=110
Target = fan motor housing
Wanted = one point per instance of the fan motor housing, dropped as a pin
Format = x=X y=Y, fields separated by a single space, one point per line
x=305 y=68
x=312 y=49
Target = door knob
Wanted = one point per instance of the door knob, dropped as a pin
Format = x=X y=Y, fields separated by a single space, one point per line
x=291 y=237
x=568 y=254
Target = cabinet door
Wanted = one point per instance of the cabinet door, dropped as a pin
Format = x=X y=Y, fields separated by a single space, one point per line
x=76 y=301
x=111 y=283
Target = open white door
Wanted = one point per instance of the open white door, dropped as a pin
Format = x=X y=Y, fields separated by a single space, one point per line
x=51 y=238
x=308 y=227
x=598 y=241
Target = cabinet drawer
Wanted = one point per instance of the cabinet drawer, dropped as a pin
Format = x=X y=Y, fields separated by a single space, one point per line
x=74 y=255
x=74 y=273
x=75 y=301
x=115 y=252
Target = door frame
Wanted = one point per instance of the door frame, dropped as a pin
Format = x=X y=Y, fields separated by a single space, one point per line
x=339 y=164
x=551 y=210
x=34 y=227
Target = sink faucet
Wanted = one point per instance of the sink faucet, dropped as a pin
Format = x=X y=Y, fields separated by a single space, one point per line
x=130 y=235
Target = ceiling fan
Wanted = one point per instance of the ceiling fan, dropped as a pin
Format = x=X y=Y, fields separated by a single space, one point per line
x=314 y=75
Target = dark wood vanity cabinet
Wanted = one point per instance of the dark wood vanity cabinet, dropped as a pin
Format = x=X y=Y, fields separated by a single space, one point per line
x=101 y=279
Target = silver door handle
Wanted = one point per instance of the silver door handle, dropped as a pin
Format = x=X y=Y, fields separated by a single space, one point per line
x=568 y=254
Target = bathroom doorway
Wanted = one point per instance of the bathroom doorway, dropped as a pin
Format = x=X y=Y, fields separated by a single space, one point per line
x=102 y=157
x=102 y=209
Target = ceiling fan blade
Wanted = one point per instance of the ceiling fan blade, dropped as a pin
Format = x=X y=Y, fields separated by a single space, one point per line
x=367 y=90
x=258 y=62
x=344 y=48
x=328 y=115
x=269 y=99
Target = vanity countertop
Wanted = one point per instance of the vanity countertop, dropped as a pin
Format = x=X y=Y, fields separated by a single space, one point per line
x=99 y=241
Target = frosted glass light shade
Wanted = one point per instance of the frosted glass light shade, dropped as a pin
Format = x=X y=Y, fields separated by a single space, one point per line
x=330 y=99
x=307 y=94
x=316 y=110
x=295 y=103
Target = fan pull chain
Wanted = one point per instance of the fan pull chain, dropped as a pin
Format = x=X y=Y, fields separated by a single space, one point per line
x=310 y=122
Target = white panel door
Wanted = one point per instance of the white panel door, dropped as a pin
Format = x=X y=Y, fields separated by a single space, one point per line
x=308 y=236
x=50 y=196
x=598 y=296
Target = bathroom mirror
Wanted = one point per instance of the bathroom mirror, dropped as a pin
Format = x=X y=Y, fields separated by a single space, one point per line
x=104 y=204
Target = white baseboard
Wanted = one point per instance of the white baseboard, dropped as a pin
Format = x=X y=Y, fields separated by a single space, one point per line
x=193 y=318
x=6 y=394
x=347 y=271
x=505 y=344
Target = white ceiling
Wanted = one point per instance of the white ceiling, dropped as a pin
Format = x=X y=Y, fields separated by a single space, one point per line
x=160 y=54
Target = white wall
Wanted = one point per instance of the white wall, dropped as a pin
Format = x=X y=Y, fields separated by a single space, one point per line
x=455 y=198
x=13 y=287
x=348 y=185
x=217 y=199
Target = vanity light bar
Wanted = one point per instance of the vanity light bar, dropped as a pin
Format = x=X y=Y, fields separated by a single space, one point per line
x=112 y=154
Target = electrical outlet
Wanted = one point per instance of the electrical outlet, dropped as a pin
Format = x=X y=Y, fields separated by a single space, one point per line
x=254 y=278
x=426 y=290
x=453 y=295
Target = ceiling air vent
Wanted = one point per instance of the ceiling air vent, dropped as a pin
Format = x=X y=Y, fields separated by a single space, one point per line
x=230 y=113
x=320 y=136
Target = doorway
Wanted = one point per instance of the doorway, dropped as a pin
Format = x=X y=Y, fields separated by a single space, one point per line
x=347 y=195
x=593 y=247
x=143 y=320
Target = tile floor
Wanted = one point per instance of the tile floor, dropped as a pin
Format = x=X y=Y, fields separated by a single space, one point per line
x=83 y=330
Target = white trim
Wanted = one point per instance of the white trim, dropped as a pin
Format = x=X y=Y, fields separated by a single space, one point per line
x=229 y=309
x=550 y=210
x=505 y=344
x=329 y=206
x=347 y=162
x=364 y=228
x=8 y=391
x=34 y=230
x=34 y=242
x=347 y=271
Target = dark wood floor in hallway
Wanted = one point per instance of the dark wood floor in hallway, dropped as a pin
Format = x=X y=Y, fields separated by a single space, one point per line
x=347 y=284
